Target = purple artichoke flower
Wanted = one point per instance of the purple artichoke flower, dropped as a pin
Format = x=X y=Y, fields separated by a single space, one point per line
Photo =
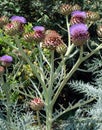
x=39 y=28
x=78 y=17
x=6 y=60
x=79 y=14
x=79 y=34
x=18 y=18
x=39 y=33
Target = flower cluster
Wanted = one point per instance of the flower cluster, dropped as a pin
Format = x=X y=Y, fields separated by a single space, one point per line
x=78 y=30
x=79 y=20
x=66 y=9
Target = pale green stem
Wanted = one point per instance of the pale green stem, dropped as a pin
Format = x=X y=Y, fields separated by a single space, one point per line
x=48 y=116
x=64 y=59
x=91 y=53
x=34 y=68
x=67 y=23
x=70 y=48
x=68 y=76
x=36 y=88
x=44 y=58
x=50 y=85
x=23 y=93
x=63 y=66
x=38 y=119
x=17 y=70
x=48 y=107
x=41 y=64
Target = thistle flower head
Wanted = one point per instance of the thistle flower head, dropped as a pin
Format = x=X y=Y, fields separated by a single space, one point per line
x=61 y=49
x=36 y=104
x=78 y=13
x=18 y=19
x=79 y=34
x=52 y=39
x=39 y=28
x=38 y=34
x=78 y=17
x=6 y=60
x=13 y=28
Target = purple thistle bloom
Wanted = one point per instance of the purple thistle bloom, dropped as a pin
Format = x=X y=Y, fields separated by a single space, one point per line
x=18 y=18
x=6 y=58
x=79 y=33
x=81 y=14
x=39 y=28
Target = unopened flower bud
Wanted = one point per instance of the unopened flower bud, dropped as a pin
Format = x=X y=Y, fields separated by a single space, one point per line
x=65 y=9
x=76 y=7
x=92 y=16
x=13 y=28
x=52 y=39
x=29 y=37
x=36 y=104
x=99 y=31
x=3 y=20
x=61 y=49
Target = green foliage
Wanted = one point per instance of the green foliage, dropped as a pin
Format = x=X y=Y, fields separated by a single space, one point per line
x=9 y=7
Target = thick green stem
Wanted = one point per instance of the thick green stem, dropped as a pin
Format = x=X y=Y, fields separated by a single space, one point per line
x=68 y=76
x=38 y=119
x=48 y=106
x=64 y=59
x=48 y=116
x=50 y=85
x=41 y=63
